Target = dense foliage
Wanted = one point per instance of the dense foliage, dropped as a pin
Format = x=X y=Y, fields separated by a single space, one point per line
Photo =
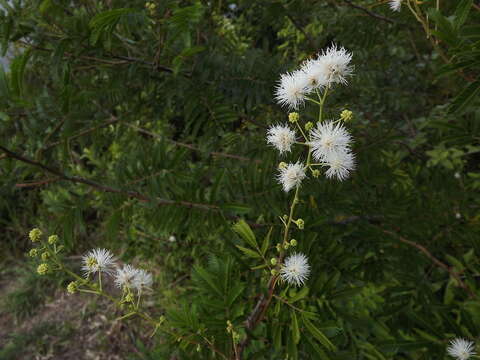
x=123 y=124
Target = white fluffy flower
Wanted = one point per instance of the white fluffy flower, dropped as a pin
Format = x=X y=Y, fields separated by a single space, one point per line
x=395 y=5
x=125 y=276
x=335 y=65
x=281 y=137
x=313 y=75
x=295 y=270
x=291 y=90
x=98 y=260
x=461 y=349
x=142 y=280
x=328 y=138
x=291 y=175
x=340 y=164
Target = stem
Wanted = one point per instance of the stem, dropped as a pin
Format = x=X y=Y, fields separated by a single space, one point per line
x=301 y=130
x=100 y=280
x=322 y=102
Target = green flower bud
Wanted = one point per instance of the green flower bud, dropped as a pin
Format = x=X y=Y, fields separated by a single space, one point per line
x=293 y=117
x=236 y=337
x=315 y=173
x=273 y=272
x=45 y=256
x=129 y=298
x=309 y=126
x=300 y=223
x=42 y=269
x=35 y=234
x=346 y=115
x=293 y=242
x=52 y=239
x=72 y=287
x=282 y=165
x=273 y=261
x=286 y=245
x=33 y=253
x=279 y=247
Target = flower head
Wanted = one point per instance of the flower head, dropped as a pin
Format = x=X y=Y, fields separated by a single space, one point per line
x=328 y=138
x=142 y=280
x=42 y=269
x=291 y=176
x=281 y=137
x=291 y=90
x=313 y=73
x=334 y=63
x=461 y=349
x=125 y=276
x=395 y=5
x=340 y=164
x=295 y=270
x=98 y=260
x=35 y=234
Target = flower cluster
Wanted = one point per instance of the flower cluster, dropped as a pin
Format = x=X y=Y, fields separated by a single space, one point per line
x=395 y=5
x=328 y=143
x=461 y=349
x=126 y=277
x=95 y=262
x=329 y=67
x=295 y=270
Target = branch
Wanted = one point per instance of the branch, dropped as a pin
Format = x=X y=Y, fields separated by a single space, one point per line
x=132 y=194
x=191 y=147
x=437 y=262
x=87 y=131
x=369 y=12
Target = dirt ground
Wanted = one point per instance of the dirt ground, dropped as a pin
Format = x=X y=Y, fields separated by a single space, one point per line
x=68 y=327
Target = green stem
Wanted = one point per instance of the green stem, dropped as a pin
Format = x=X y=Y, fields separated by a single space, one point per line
x=322 y=103
x=301 y=130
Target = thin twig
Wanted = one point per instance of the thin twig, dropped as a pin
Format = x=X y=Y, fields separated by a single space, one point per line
x=369 y=12
x=85 y=132
x=437 y=262
x=189 y=146
x=105 y=188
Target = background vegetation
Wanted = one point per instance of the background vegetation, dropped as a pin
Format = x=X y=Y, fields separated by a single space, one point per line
x=123 y=125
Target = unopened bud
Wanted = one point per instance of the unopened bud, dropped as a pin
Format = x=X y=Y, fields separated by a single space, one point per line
x=72 y=287
x=282 y=165
x=35 y=234
x=293 y=117
x=273 y=272
x=315 y=173
x=42 y=269
x=45 y=256
x=346 y=115
x=300 y=223
x=33 y=253
x=273 y=261
x=52 y=239
x=309 y=126
x=293 y=242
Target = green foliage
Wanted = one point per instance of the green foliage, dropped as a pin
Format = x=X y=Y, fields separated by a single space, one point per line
x=151 y=124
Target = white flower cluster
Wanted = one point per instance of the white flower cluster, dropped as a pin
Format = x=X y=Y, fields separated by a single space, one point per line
x=330 y=141
x=461 y=349
x=331 y=146
x=103 y=261
x=395 y=5
x=331 y=66
x=295 y=270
